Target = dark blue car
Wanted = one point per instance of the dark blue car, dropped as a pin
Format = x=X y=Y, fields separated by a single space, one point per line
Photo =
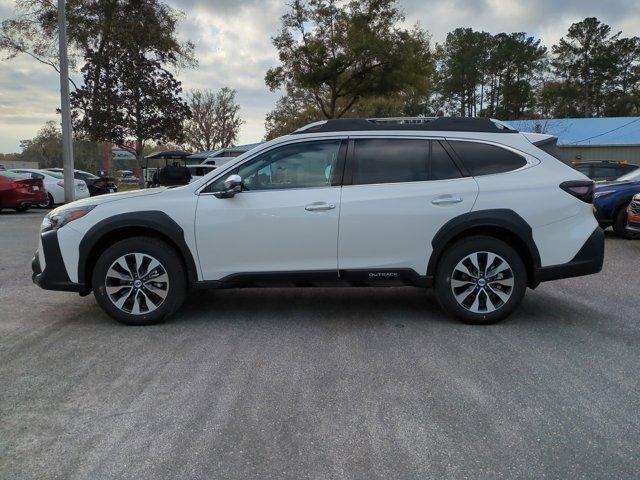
x=611 y=200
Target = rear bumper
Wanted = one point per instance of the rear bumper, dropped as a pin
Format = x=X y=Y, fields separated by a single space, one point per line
x=54 y=276
x=17 y=200
x=586 y=262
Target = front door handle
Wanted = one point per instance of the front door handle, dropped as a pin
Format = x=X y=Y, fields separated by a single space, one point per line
x=319 y=207
x=446 y=200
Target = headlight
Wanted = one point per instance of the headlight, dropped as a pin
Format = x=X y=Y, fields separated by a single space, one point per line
x=60 y=217
x=602 y=194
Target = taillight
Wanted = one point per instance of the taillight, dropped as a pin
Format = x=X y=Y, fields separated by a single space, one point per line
x=581 y=189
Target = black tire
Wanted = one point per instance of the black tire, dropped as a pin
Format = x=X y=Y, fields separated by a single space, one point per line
x=479 y=288
x=620 y=224
x=50 y=203
x=175 y=288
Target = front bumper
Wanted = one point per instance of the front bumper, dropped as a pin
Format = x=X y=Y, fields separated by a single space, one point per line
x=54 y=276
x=587 y=261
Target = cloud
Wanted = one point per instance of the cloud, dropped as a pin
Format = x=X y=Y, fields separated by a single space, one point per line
x=233 y=46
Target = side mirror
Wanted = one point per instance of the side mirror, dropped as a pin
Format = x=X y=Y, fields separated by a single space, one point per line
x=232 y=185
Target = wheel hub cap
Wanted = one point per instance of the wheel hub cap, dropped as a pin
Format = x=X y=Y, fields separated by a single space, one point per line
x=137 y=283
x=482 y=282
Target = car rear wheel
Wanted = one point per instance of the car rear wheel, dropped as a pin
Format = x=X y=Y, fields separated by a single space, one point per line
x=139 y=281
x=50 y=202
x=480 y=280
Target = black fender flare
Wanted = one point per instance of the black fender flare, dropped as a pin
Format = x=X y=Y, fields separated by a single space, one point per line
x=154 y=220
x=503 y=219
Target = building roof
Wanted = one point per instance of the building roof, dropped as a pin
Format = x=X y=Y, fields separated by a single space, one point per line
x=594 y=132
x=202 y=155
x=168 y=154
x=244 y=148
x=216 y=153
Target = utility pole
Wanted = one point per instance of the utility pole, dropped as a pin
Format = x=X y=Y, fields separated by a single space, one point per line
x=65 y=108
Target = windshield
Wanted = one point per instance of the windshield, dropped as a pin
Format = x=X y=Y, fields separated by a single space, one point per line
x=86 y=176
x=54 y=174
x=635 y=175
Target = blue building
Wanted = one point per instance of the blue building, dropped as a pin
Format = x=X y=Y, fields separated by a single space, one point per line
x=588 y=139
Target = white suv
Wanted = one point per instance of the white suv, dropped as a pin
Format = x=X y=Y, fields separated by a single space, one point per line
x=469 y=206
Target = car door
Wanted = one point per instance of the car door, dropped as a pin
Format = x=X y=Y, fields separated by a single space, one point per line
x=285 y=219
x=398 y=192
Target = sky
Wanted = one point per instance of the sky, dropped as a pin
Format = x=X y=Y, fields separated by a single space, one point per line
x=233 y=47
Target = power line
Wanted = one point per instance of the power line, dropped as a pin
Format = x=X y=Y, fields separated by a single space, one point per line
x=609 y=131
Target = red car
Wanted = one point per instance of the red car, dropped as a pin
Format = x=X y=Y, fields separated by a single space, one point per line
x=633 y=214
x=20 y=193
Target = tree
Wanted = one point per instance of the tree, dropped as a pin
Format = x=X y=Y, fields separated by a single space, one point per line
x=334 y=55
x=624 y=97
x=295 y=110
x=215 y=121
x=585 y=62
x=129 y=96
x=462 y=60
x=483 y=74
x=91 y=25
x=515 y=65
x=46 y=149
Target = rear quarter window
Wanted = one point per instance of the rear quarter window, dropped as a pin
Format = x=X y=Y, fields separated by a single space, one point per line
x=484 y=159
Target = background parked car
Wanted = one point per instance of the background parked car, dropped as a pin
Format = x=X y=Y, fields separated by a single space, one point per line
x=633 y=215
x=54 y=185
x=611 y=200
x=199 y=171
x=127 y=176
x=96 y=185
x=19 y=192
x=604 y=170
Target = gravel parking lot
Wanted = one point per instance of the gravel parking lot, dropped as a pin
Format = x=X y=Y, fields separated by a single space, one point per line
x=319 y=383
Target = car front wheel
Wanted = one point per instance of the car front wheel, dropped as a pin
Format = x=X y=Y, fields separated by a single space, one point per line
x=620 y=224
x=139 y=281
x=480 y=280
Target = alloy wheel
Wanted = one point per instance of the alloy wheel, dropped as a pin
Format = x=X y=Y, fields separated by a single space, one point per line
x=482 y=282
x=137 y=283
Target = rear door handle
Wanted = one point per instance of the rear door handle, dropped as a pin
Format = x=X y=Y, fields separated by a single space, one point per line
x=446 y=200
x=319 y=207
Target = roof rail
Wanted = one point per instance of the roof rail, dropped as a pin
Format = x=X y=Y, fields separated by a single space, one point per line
x=456 y=124
x=401 y=120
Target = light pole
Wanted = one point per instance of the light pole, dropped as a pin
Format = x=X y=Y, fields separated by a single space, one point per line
x=67 y=133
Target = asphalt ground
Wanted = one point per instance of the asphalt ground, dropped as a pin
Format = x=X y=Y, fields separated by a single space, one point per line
x=320 y=383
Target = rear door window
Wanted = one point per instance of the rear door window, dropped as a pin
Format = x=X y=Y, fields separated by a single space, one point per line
x=586 y=169
x=390 y=160
x=484 y=159
x=606 y=171
x=441 y=164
